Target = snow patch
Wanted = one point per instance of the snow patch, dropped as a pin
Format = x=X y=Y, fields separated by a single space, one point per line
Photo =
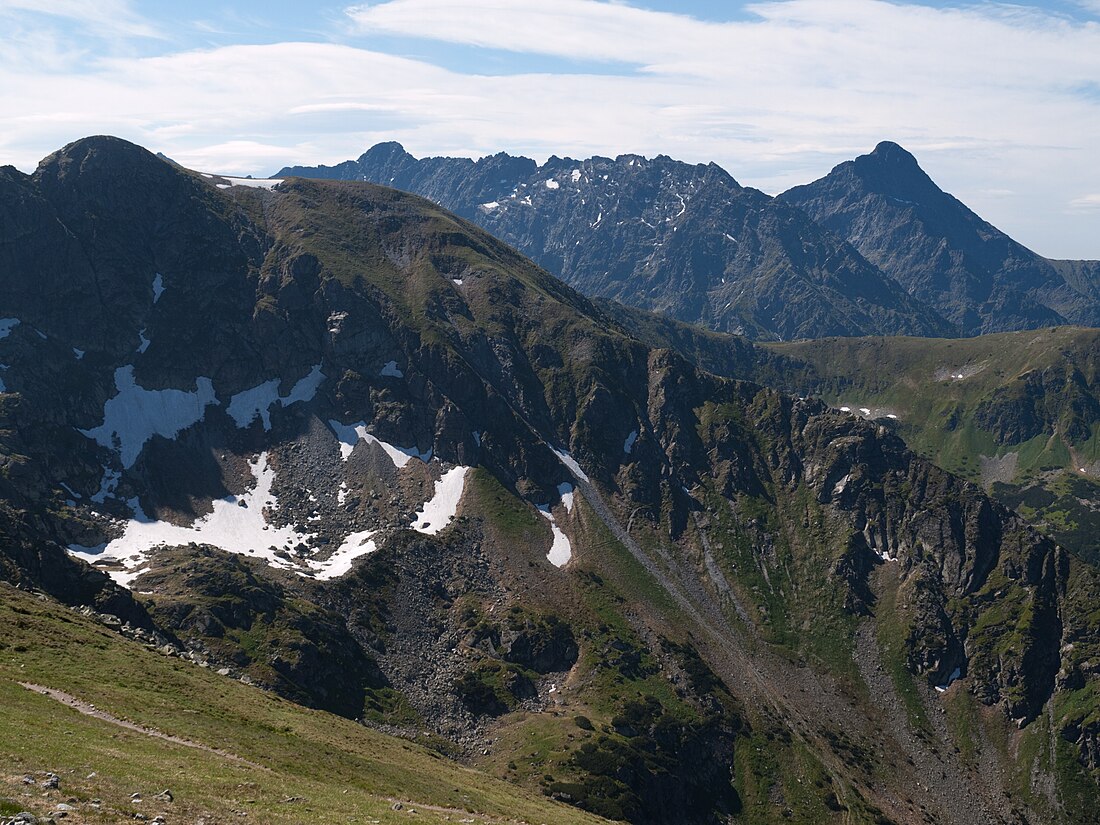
x=865 y=410
x=845 y=409
x=306 y=388
x=158 y=287
x=340 y=562
x=145 y=342
x=107 y=485
x=955 y=674
x=438 y=511
x=351 y=434
x=335 y=319
x=79 y=353
x=391 y=370
x=569 y=462
x=490 y=206
x=552 y=184
x=561 y=551
x=565 y=490
x=256 y=183
x=246 y=405
x=236 y=525
x=628 y=445
x=842 y=485
x=575 y=175
x=135 y=415
x=7 y=325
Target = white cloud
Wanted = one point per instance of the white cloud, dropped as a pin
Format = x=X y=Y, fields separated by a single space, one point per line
x=988 y=97
x=1088 y=203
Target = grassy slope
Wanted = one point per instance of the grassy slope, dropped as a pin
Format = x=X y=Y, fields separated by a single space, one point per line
x=340 y=771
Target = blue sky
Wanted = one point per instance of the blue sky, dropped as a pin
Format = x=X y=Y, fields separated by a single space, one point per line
x=1000 y=102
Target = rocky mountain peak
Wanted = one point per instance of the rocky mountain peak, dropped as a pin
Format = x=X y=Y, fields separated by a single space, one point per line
x=890 y=152
x=388 y=152
x=892 y=171
x=98 y=155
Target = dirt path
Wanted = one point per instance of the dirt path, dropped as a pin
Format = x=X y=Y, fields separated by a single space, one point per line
x=89 y=709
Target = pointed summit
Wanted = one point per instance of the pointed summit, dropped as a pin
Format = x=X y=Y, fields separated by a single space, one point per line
x=892 y=170
x=892 y=152
x=388 y=152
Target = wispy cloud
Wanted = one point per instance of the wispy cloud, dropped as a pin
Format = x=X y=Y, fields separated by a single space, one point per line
x=1085 y=203
x=581 y=29
x=113 y=17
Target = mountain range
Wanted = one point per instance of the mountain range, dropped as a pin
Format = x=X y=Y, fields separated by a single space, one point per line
x=884 y=252
x=327 y=441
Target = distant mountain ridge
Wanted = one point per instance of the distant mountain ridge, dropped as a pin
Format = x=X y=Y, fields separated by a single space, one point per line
x=683 y=239
x=889 y=209
x=689 y=241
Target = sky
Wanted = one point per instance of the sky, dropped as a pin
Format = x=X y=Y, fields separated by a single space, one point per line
x=999 y=102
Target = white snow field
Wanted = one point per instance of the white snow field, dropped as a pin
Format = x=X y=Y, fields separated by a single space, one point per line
x=571 y=463
x=340 y=562
x=246 y=405
x=135 y=415
x=628 y=445
x=351 y=434
x=438 y=511
x=391 y=370
x=561 y=551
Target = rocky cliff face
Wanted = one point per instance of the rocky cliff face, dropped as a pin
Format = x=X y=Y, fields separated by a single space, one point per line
x=940 y=251
x=342 y=443
x=663 y=235
x=1015 y=413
